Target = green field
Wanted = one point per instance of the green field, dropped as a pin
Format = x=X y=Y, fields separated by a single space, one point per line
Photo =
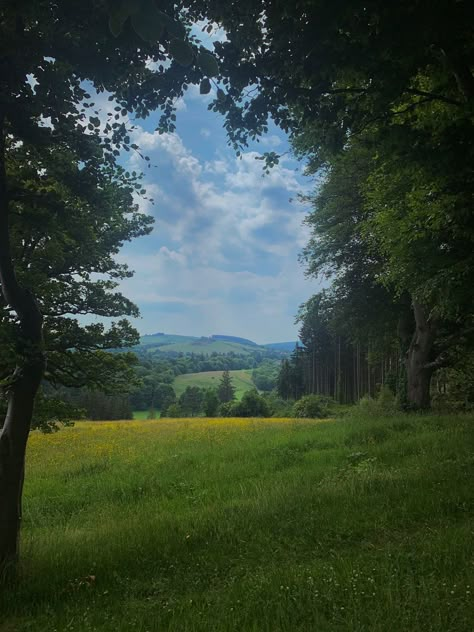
x=248 y=525
x=164 y=339
x=143 y=414
x=242 y=380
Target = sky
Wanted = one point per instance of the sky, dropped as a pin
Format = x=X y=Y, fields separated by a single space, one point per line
x=223 y=254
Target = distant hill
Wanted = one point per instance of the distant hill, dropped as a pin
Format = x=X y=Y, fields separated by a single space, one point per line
x=281 y=346
x=221 y=344
x=242 y=341
x=164 y=339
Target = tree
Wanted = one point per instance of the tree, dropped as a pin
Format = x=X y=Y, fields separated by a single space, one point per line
x=211 y=403
x=226 y=390
x=265 y=376
x=58 y=163
x=251 y=405
x=190 y=401
x=403 y=77
x=284 y=386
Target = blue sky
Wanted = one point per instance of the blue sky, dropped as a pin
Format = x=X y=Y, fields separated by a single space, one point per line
x=222 y=258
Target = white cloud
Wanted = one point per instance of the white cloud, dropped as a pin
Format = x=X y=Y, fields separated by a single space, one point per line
x=227 y=242
x=271 y=141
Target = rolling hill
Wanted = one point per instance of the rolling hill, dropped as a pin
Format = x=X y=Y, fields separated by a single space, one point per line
x=174 y=344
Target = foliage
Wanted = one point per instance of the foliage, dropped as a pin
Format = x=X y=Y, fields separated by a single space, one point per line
x=279 y=407
x=265 y=376
x=311 y=407
x=251 y=405
x=211 y=403
x=191 y=401
x=94 y=404
x=453 y=388
x=226 y=409
x=173 y=410
x=226 y=389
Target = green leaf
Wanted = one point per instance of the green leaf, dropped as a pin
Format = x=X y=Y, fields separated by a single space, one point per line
x=205 y=86
x=208 y=64
x=174 y=28
x=181 y=52
x=149 y=23
x=220 y=94
x=116 y=22
x=132 y=6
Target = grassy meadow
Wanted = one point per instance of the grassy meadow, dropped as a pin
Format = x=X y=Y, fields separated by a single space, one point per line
x=241 y=379
x=354 y=525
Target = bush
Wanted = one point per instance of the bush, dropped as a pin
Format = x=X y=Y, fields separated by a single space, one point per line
x=174 y=410
x=251 y=405
x=226 y=409
x=279 y=407
x=312 y=407
x=384 y=404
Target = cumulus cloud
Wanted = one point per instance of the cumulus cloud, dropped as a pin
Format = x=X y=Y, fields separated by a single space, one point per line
x=226 y=240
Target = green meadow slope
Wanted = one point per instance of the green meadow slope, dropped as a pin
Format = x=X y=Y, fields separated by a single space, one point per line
x=242 y=380
x=222 y=525
x=188 y=344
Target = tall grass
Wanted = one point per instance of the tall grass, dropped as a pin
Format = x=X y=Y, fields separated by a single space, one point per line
x=249 y=525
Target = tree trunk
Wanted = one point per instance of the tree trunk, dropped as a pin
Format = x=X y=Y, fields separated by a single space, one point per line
x=23 y=388
x=13 y=441
x=418 y=359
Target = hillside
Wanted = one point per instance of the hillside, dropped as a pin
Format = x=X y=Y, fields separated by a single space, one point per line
x=220 y=344
x=288 y=347
x=158 y=340
x=242 y=380
x=221 y=525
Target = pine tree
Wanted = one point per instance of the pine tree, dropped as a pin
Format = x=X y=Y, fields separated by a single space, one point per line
x=284 y=380
x=226 y=390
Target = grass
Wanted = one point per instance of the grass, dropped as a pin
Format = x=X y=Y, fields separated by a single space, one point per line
x=242 y=380
x=143 y=414
x=358 y=525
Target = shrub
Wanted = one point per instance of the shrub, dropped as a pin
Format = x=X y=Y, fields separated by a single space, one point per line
x=279 y=407
x=174 y=410
x=226 y=409
x=311 y=407
x=384 y=404
x=251 y=405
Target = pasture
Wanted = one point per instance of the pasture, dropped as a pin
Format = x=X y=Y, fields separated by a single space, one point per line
x=241 y=379
x=230 y=525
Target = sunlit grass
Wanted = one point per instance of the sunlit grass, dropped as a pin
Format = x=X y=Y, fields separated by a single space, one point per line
x=249 y=525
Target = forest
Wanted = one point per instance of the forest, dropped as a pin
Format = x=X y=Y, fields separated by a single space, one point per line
x=376 y=100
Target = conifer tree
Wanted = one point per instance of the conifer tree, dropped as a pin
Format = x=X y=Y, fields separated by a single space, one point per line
x=226 y=390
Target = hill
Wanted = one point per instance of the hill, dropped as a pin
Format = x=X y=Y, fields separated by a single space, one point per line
x=176 y=344
x=242 y=380
x=242 y=341
x=287 y=347
x=159 y=340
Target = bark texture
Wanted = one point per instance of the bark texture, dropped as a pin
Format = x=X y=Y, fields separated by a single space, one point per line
x=419 y=359
x=22 y=388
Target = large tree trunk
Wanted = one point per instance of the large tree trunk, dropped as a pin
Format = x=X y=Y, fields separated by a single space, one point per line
x=24 y=384
x=418 y=359
x=13 y=439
